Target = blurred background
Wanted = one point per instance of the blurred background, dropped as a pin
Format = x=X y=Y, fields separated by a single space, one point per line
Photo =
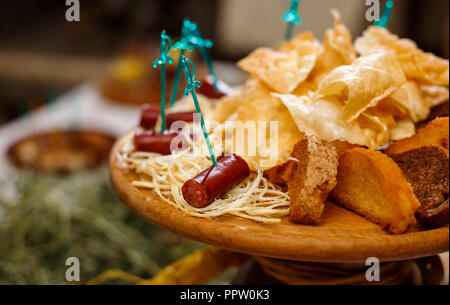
x=42 y=55
x=89 y=77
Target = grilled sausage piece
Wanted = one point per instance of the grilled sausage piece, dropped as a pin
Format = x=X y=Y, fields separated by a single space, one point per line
x=215 y=181
x=187 y=117
x=151 y=141
x=208 y=90
x=149 y=116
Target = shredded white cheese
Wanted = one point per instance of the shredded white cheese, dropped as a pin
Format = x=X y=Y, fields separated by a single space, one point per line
x=255 y=198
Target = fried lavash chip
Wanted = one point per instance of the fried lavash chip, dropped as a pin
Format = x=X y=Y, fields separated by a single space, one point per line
x=434 y=95
x=323 y=119
x=372 y=184
x=416 y=64
x=283 y=70
x=408 y=98
x=337 y=49
x=364 y=83
x=258 y=105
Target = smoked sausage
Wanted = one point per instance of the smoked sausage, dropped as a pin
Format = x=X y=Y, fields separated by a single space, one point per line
x=208 y=90
x=215 y=181
x=149 y=116
x=151 y=141
x=187 y=117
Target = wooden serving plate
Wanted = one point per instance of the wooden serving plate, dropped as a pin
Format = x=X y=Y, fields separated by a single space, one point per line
x=343 y=236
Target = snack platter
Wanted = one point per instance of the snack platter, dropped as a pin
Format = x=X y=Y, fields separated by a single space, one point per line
x=343 y=236
x=355 y=167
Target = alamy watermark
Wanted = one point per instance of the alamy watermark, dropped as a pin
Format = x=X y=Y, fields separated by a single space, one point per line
x=73 y=272
x=73 y=12
x=251 y=138
x=373 y=272
x=373 y=12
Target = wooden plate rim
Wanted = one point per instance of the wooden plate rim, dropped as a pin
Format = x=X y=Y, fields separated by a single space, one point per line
x=262 y=242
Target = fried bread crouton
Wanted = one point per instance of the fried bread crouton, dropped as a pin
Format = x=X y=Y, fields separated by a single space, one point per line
x=427 y=170
x=343 y=146
x=434 y=133
x=312 y=180
x=373 y=185
x=282 y=173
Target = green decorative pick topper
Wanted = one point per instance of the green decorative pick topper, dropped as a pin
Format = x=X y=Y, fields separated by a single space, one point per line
x=165 y=47
x=386 y=15
x=187 y=31
x=292 y=18
x=190 y=40
x=189 y=73
x=195 y=40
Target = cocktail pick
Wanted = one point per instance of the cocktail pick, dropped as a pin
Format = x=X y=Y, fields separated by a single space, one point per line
x=189 y=73
x=292 y=18
x=183 y=44
x=386 y=15
x=165 y=46
x=203 y=44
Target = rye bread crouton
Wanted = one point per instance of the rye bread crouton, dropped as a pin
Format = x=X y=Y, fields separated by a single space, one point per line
x=427 y=170
x=282 y=173
x=434 y=133
x=312 y=180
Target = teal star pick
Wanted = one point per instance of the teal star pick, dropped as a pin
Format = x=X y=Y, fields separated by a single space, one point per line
x=189 y=73
x=386 y=15
x=164 y=47
x=292 y=18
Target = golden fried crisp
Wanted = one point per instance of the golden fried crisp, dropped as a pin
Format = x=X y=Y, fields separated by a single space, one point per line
x=364 y=83
x=281 y=71
x=434 y=95
x=337 y=49
x=303 y=44
x=322 y=117
x=417 y=65
x=227 y=106
x=312 y=180
x=372 y=184
x=258 y=105
x=409 y=97
x=434 y=133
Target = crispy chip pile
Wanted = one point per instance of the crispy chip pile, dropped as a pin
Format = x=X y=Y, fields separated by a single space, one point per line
x=337 y=49
x=321 y=118
x=364 y=83
x=326 y=90
x=281 y=71
x=256 y=105
x=417 y=65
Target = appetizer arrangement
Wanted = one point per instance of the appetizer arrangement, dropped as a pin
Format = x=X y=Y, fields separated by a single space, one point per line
x=335 y=121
